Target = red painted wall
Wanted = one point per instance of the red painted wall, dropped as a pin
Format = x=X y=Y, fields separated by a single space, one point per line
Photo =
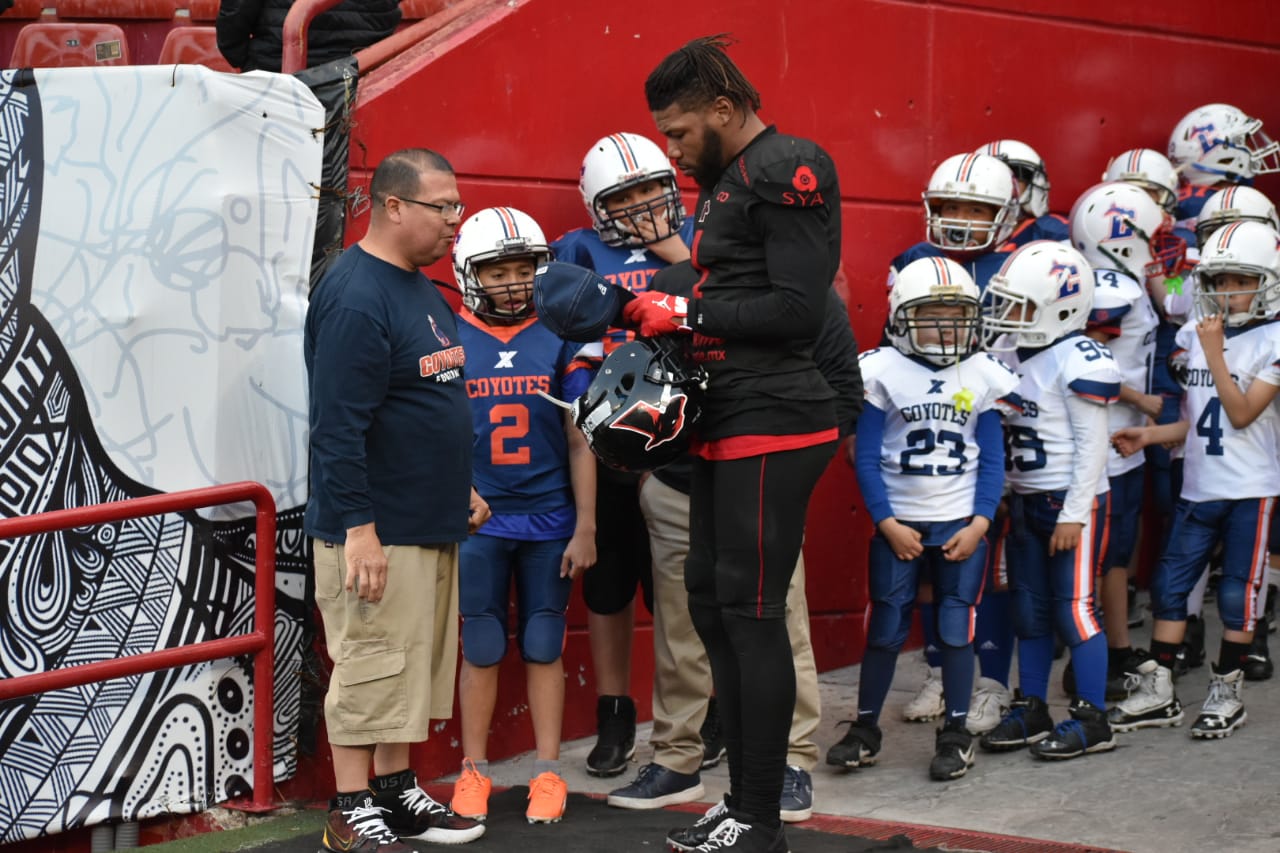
x=889 y=88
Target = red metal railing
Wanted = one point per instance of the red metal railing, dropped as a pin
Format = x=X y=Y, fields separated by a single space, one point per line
x=260 y=643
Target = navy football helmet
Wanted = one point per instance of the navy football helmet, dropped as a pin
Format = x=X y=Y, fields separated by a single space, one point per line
x=639 y=411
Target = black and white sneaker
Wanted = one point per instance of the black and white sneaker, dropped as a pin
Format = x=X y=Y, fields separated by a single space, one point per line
x=687 y=838
x=1151 y=702
x=1223 y=710
x=952 y=755
x=1027 y=722
x=737 y=835
x=411 y=813
x=1087 y=731
x=858 y=748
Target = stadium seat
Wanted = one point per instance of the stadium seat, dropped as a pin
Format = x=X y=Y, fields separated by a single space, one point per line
x=55 y=45
x=193 y=46
x=117 y=9
x=204 y=10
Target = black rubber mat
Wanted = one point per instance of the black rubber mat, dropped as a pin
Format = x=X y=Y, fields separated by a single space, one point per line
x=591 y=826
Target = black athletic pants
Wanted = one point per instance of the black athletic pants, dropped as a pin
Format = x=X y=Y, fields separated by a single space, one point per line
x=746 y=525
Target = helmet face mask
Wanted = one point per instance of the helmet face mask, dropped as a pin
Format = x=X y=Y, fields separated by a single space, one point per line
x=1218 y=142
x=962 y=181
x=1043 y=292
x=1117 y=225
x=489 y=236
x=639 y=411
x=944 y=293
x=1242 y=250
x=622 y=162
x=1232 y=205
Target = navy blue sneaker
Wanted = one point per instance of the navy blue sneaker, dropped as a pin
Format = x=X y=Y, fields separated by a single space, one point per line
x=797 y=795
x=657 y=787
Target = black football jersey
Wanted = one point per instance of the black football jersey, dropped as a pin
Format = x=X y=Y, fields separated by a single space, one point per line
x=766 y=245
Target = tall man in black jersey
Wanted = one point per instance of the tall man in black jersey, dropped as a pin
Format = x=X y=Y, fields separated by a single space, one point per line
x=766 y=246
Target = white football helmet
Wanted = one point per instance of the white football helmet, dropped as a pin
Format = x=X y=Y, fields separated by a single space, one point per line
x=623 y=160
x=1054 y=280
x=1233 y=204
x=934 y=281
x=1217 y=142
x=1245 y=249
x=1150 y=170
x=497 y=234
x=1118 y=226
x=1028 y=167
x=975 y=178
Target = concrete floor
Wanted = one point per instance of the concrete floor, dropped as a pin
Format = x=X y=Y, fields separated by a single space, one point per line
x=1159 y=791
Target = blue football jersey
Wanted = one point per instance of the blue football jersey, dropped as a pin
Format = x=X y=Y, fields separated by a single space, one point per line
x=520 y=458
x=1051 y=226
x=626 y=267
x=980 y=267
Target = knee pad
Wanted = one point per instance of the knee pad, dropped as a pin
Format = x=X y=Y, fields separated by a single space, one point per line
x=1075 y=622
x=1231 y=602
x=484 y=640
x=888 y=626
x=542 y=639
x=955 y=623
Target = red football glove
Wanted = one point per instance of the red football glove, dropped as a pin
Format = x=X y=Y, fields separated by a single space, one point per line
x=653 y=313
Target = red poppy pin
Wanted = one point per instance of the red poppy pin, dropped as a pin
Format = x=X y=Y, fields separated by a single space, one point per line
x=804 y=180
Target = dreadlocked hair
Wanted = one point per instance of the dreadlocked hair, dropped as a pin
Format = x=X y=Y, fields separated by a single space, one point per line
x=698 y=73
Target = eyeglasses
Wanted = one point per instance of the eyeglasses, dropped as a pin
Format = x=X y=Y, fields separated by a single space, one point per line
x=448 y=208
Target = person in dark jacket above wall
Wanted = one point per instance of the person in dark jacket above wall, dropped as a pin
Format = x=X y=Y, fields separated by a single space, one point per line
x=250 y=32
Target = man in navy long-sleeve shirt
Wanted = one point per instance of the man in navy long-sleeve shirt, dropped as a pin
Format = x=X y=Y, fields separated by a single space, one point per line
x=391 y=498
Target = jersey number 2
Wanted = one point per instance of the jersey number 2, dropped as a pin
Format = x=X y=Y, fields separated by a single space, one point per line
x=510 y=423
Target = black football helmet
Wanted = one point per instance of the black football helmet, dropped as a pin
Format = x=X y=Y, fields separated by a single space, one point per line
x=639 y=411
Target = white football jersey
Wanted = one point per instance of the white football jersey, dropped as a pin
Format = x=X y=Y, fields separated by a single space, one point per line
x=929 y=456
x=1041 y=449
x=1119 y=302
x=1222 y=462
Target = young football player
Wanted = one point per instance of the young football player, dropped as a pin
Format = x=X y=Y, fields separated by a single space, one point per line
x=1056 y=469
x=1213 y=147
x=1109 y=226
x=971 y=208
x=930 y=464
x=638 y=226
x=538 y=475
x=1035 y=222
x=1232 y=439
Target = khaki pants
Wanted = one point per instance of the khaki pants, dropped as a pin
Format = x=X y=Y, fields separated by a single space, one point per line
x=681 y=673
x=393 y=661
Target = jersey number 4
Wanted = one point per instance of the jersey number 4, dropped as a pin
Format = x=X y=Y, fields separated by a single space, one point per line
x=1209 y=427
x=922 y=442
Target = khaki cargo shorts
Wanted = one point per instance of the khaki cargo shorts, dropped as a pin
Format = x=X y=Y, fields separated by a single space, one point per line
x=393 y=661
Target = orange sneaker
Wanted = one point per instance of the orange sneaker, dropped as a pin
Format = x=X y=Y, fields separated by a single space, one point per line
x=471 y=792
x=547 y=796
